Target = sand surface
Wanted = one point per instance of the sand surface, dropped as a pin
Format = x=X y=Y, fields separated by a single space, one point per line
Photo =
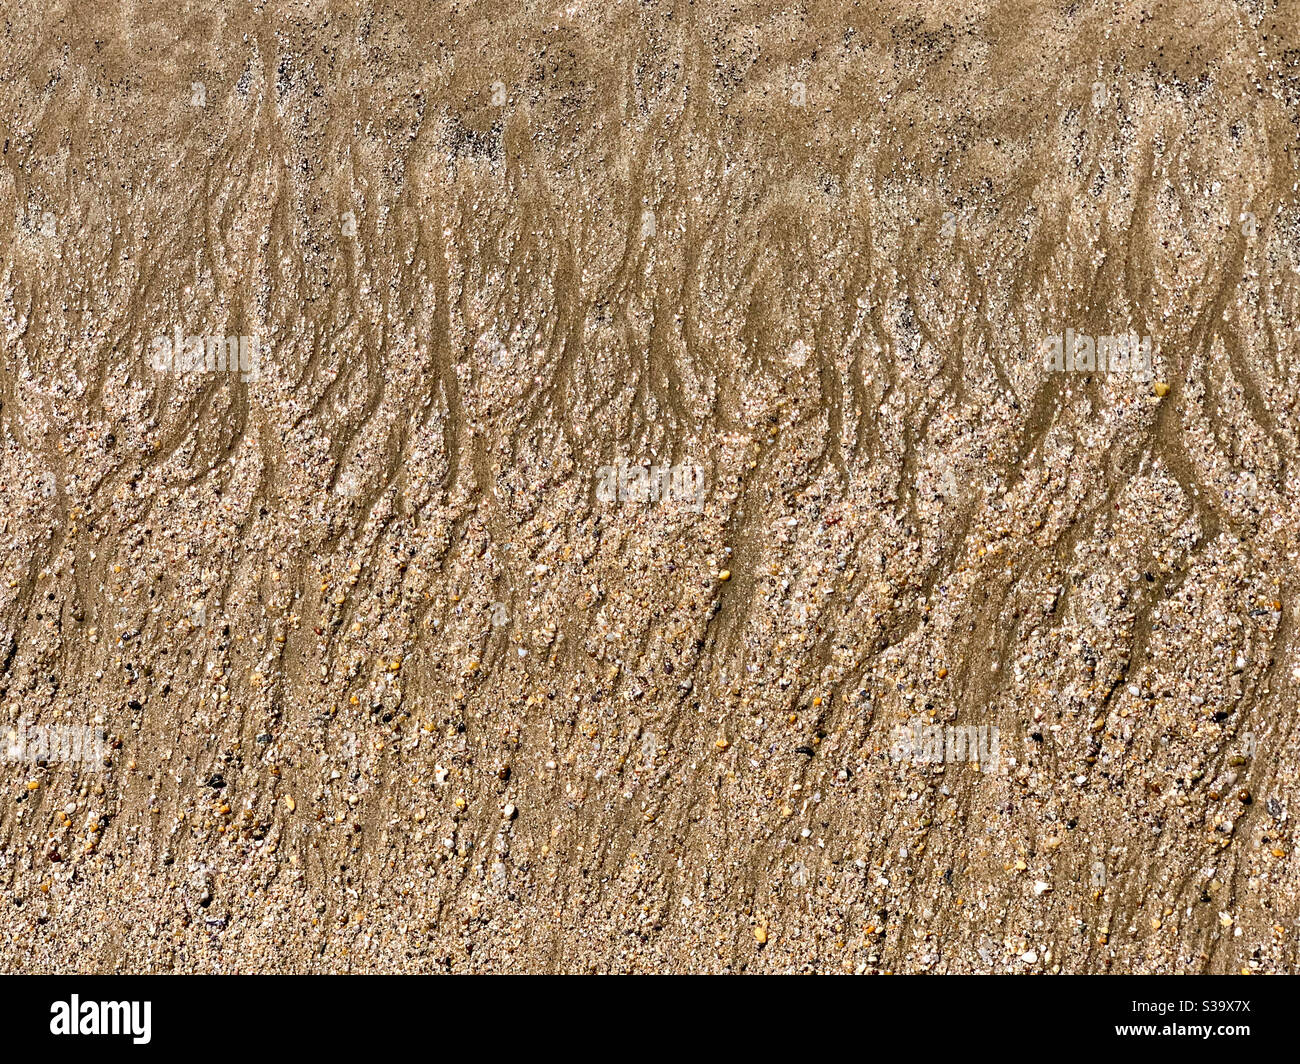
x=396 y=669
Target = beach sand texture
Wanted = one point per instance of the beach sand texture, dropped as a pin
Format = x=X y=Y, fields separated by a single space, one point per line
x=641 y=460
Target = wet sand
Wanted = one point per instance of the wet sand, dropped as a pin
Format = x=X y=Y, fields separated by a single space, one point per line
x=397 y=668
